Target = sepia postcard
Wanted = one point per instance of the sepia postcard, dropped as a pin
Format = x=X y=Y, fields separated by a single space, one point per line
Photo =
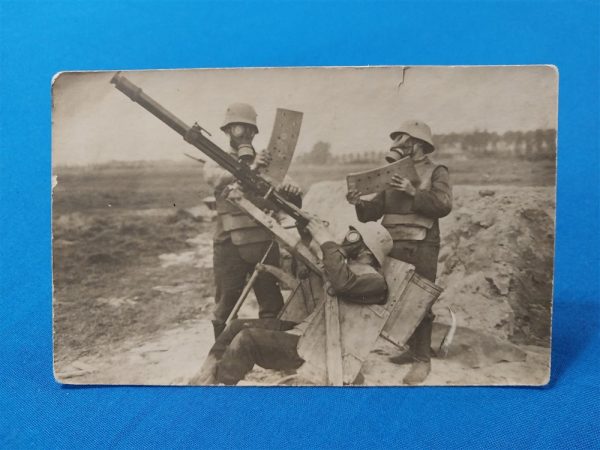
x=318 y=226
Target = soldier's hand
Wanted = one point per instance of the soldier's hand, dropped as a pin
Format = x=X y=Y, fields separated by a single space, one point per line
x=403 y=185
x=290 y=188
x=353 y=196
x=263 y=159
x=319 y=231
x=234 y=192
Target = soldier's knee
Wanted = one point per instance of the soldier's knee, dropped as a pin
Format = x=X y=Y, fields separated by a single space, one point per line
x=243 y=341
x=235 y=326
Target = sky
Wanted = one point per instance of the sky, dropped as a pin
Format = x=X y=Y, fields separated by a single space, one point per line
x=354 y=109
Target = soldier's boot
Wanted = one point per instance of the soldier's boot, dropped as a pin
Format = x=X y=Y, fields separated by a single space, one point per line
x=408 y=357
x=418 y=372
x=218 y=328
x=359 y=380
x=421 y=343
x=207 y=374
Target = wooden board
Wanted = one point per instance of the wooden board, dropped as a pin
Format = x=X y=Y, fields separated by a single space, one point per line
x=301 y=303
x=311 y=349
x=333 y=341
x=359 y=325
x=289 y=239
x=407 y=314
x=282 y=144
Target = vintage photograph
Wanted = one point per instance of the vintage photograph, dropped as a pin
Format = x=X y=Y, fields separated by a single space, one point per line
x=319 y=226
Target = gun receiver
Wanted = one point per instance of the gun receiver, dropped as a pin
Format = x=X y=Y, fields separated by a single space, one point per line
x=261 y=192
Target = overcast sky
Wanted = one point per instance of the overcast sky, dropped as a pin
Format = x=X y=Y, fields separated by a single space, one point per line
x=354 y=109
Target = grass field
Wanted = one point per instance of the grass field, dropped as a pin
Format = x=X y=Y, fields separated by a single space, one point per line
x=181 y=185
x=129 y=187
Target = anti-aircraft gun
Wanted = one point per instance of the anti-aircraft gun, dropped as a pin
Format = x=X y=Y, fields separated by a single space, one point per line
x=329 y=359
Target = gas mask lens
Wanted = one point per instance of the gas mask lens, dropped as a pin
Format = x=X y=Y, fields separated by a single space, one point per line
x=239 y=130
x=241 y=136
x=394 y=155
x=401 y=148
x=352 y=237
x=352 y=244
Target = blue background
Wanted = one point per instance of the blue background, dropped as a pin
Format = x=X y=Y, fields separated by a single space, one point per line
x=38 y=39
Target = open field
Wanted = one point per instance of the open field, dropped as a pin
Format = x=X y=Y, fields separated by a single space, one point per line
x=481 y=171
x=181 y=185
x=129 y=187
x=132 y=253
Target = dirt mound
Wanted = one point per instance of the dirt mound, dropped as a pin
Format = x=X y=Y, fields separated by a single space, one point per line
x=496 y=258
x=498 y=250
x=328 y=201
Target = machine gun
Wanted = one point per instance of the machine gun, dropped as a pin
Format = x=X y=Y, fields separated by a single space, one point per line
x=328 y=358
x=259 y=195
x=259 y=190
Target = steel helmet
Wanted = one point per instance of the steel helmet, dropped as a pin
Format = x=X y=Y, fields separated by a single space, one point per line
x=376 y=238
x=418 y=130
x=240 y=113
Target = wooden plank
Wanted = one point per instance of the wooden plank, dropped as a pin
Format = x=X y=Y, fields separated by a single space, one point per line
x=282 y=144
x=301 y=303
x=311 y=348
x=289 y=239
x=410 y=309
x=359 y=325
x=335 y=368
x=397 y=275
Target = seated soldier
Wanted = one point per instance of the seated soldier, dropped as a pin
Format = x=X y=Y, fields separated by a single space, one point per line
x=353 y=270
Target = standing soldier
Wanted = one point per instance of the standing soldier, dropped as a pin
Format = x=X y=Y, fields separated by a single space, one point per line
x=239 y=242
x=411 y=213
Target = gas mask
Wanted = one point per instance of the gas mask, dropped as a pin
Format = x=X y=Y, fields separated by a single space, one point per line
x=402 y=147
x=354 y=248
x=352 y=245
x=240 y=138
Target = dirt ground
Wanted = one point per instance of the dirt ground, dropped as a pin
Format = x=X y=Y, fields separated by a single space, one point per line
x=133 y=290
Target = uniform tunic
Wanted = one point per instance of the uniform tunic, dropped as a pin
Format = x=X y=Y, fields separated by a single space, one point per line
x=433 y=201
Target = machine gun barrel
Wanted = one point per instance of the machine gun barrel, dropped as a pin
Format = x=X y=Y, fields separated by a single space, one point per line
x=136 y=94
x=250 y=180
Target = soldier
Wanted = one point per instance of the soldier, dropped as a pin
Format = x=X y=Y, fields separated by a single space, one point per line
x=239 y=242
x=411 y=213
x=354 y=272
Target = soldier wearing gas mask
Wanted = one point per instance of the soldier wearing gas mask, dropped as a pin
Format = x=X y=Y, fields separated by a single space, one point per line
x=354 y=271
x=239 y=242
x=410 y=213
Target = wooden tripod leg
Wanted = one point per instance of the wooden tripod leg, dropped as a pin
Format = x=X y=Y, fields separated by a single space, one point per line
x=249 y=285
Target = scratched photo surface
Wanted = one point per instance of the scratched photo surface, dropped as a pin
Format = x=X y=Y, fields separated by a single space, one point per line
x=372 y=226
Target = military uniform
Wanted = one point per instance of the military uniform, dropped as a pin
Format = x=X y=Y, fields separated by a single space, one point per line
x=239 y=243
x=272 y=343
x=414 y=226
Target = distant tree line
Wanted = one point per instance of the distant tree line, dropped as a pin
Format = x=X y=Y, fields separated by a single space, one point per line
x=535 y=144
